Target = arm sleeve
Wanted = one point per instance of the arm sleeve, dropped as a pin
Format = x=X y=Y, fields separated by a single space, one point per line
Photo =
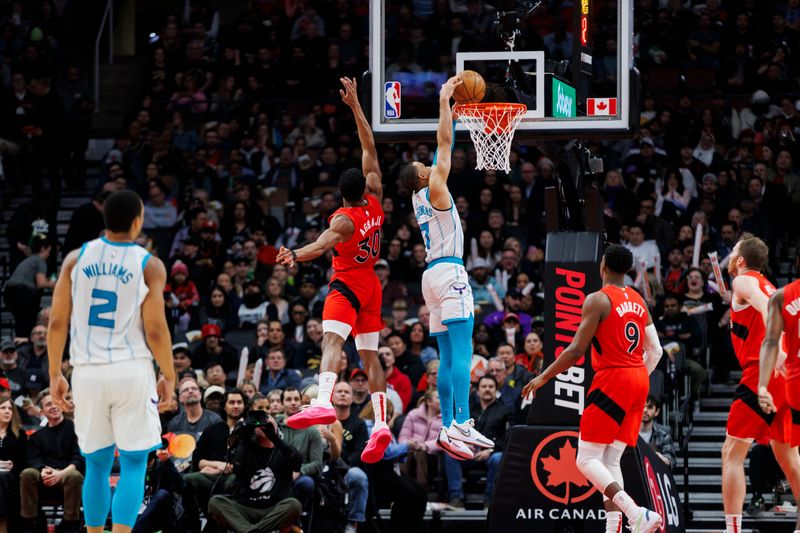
x=436 y=154
x=652 y=348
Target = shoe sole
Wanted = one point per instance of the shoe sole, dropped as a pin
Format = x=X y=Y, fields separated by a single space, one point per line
x=457 y=436
x=384 y=436
x=300 y=422
x=453 y=453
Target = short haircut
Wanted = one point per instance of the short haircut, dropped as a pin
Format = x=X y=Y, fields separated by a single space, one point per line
x=503 y=345
x=290 y=389
x=352 y=184
x=636 y=225
x=39 y=242
x=277 y=350
x=120 y=210
x=618 y=258
x=409 y=176
x=490 y=378
x=212 y=364
x=754 y=251
x=651 y=398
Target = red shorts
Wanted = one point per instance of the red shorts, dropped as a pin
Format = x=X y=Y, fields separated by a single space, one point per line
x=355 y=300
x=615 y=405
x=746 y=419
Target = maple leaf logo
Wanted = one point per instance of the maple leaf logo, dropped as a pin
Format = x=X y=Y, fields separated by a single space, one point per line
x=602 y=106
x=564 y=469
x=553 y=466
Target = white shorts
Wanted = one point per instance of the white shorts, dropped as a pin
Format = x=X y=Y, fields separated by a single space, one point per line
x=116 y=403
x=445 y=287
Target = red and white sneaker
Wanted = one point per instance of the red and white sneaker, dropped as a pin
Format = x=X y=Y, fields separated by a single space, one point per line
x=311 y=416
x=453 y=448
x=376 y=445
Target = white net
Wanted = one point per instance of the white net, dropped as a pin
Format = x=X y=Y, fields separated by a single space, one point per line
x=491 y=127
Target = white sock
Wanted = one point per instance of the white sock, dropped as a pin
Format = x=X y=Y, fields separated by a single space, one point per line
x=326 y=382
x=379 y=407
x=733 y=523
x=626 y=505
x=613 y=522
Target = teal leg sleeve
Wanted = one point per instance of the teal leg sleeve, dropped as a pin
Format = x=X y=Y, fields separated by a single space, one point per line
x=130 y=489
x=460 y=333
x=444 y=381
x=96 y=490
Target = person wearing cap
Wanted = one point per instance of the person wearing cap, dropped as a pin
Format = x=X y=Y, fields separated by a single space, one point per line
x=33 y=355
x=17 y=377
x=358 y=381
x=212 y=397
x=193 y=418
x=484 y=286
x=215 y=348
x=512 y=306
x=196 y=217
x=186 y=293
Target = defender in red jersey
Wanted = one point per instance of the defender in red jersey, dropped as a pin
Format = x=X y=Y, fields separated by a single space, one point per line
x=625 y=349
x=354 y=302
x=747 y=421
x=784 y=316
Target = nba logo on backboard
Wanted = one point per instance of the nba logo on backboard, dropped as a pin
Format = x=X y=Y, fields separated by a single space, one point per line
x=391 y=99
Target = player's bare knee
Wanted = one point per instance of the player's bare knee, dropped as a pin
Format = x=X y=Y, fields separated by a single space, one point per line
x=732 y=454
x=331 y=340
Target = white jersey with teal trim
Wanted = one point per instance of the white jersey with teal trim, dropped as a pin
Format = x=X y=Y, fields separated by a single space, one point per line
x=441 y=230
x=108 y=289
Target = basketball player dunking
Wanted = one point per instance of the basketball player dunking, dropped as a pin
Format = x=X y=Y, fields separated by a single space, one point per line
x=747 y=420
x=445 y=285
x=784 y=317
x=354 y=302
x=625 y=348
x=110 y=295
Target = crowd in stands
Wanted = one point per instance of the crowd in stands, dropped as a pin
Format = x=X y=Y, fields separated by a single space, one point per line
x=236 y=145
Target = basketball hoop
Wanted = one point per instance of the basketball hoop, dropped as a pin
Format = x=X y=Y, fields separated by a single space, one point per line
x=491 y=127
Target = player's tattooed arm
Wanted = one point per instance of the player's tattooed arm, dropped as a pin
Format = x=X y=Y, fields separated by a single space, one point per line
x=341 y=230
x=769 y=351
x=440 y=195
x=57 y=329
x=369 y=154
x=595 y=308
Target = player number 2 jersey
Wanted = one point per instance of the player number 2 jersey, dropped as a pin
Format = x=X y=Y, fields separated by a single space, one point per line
x=108 y=289
x=791 y=328
x=441 y=230
x=364 y=247
x=747 y=325
x=619 y=340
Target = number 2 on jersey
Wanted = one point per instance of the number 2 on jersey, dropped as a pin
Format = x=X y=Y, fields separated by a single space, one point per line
x=633 y=335
x=108 y=306
x=426 y=234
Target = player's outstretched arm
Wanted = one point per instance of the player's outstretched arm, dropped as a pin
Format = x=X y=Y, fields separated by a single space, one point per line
x=57 y=330
x=369 y=155
x=594 y=308
x=440 y=196
x=341 y=230
x=769 y=351
x=155 y=326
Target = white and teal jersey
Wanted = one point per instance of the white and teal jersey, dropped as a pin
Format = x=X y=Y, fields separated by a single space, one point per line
x=108 y=289
x=441 y=230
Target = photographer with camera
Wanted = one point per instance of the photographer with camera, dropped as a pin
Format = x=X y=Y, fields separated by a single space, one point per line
x=263 y=465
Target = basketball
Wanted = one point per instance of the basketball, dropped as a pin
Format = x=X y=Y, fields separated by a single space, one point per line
x=471 y=91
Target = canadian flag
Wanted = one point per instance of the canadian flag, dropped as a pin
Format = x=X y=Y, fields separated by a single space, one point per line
x=601 y=106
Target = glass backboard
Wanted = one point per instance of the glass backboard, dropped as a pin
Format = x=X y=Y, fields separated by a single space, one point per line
x=570 y=62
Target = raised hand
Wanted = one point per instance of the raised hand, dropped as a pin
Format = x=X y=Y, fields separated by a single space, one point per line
x=350 y=92
x=449 y=86
x=285 y=257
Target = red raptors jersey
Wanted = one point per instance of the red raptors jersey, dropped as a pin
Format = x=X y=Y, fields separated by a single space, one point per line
x=791 y=328
x=619 y=340
x=363 y=248
x=747 y=325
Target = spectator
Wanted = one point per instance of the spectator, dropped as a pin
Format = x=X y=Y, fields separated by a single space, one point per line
x=307 y=442
x=254 y=307
x=193 y=419
x=13 y=459
x=21 y=293
x=508 y=394
x=277 y=375
x=86 y=223
x=274 y=403
x=420 y=431
x=15 y=376
x=210 y=463
x=355 y=437
x=212 y=397
x=676 y=325
x=33 y=356
x=163 y=488
x=217 y=311
x=657 y=435
x=405 y=361
x=54 y=463
x=516 y=375
x=395 y=378
x=215 y=349
x=259 y=506
x=360 y=385
x=532 y=357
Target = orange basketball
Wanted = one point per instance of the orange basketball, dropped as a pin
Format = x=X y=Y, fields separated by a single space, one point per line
x=471 y=91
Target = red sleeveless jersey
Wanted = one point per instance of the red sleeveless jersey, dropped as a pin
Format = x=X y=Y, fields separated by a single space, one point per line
x=791 y=328
x=619 y=340
x=747 y=325
x=361 y=252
